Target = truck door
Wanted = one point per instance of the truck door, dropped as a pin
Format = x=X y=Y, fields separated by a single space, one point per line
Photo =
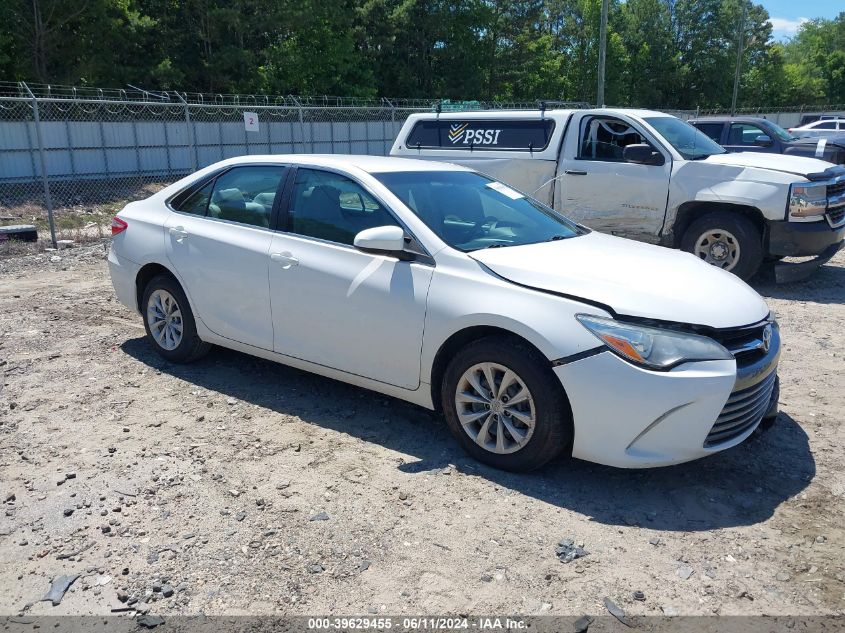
x=598 y=188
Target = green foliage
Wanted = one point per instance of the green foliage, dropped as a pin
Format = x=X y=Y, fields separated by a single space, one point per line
x=660 y=53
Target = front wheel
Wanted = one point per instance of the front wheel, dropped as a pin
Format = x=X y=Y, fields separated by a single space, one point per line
x=169 y=321
x=505 y=406
x=729 y=241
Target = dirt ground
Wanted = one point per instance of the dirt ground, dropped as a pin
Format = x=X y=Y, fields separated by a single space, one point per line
x=235 y=485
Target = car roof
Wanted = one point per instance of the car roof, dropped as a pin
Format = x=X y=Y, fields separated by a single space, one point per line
x=725 y=119
x=363 y=162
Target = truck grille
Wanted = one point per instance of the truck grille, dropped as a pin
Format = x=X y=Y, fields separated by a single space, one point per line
x=836 y=188
x=836 y=217
x=743 y=410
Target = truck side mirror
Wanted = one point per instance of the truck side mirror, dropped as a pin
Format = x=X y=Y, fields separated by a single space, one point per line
x=642 y=154
x=764 y=140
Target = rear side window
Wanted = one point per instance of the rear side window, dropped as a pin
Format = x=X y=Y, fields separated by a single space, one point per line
x=713 y=130
x=196 y=202
x=241 y=194
x=246 y=194
x=477 y=134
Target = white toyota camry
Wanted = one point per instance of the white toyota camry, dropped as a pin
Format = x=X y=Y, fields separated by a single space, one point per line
x=438 y=285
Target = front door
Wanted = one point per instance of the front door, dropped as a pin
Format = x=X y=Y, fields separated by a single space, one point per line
x=218 y=240
x=599 y=189
x=334 y=305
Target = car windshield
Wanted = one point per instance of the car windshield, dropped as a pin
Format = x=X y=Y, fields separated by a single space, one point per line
x=469 y=211
x=690 y=142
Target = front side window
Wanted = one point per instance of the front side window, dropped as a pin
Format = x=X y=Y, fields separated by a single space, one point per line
x=605 y=139
x=246 y=194
x=825 y=125
x=744 y=134
x=332 y=207
x=469 y=211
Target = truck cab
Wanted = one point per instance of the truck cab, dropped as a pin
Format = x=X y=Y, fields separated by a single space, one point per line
x=649 y=176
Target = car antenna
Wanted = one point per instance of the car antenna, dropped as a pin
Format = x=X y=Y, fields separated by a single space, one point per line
x=542 y=110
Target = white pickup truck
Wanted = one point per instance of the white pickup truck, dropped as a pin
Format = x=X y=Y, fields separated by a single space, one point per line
x=652 y=177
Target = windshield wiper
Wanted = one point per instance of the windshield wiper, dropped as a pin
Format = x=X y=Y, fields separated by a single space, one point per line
x=498 y=245
x=555 y=238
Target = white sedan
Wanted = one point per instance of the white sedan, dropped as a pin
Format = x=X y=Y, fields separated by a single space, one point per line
x=824 y=128
x=435 y=284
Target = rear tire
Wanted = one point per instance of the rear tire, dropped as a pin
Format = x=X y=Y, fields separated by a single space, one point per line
x=169 y=321
x=527 y=416
x=727 y=240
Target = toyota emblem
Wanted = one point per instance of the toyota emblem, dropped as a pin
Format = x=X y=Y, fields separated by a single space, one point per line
x=767 y=337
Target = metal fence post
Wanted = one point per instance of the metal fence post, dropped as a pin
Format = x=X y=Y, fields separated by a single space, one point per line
x=48 y=199
x=301 y=122
x=189 y=129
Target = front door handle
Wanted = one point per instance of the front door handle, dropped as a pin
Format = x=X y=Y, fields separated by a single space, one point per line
x=179 y=233
x=286 y=259
x=575 y=172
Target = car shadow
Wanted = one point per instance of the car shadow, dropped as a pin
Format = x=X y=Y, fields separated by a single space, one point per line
x=740 y=486
x=825 y=285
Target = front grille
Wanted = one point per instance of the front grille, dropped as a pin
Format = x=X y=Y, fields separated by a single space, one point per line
x=746 y=343
x=836 y=188
x=836 y=217
x=743 y=411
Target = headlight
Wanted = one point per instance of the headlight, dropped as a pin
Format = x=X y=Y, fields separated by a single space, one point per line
x=652 y=347
x=807 y=203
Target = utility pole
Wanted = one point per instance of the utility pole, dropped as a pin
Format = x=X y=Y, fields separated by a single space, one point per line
x=602 y=53
x=739 y=51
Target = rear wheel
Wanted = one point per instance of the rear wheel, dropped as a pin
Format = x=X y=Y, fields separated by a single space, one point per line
x=169 y=321
x=729 y=241
x=505 y=406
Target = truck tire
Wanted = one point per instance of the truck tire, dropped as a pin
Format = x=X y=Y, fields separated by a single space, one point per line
x=519 y=422
x=727 y=240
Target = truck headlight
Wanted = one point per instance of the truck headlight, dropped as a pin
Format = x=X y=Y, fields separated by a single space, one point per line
x=807 y=203
x=650 y=347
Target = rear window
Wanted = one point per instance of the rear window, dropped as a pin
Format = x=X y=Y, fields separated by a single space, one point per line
x=477 y=134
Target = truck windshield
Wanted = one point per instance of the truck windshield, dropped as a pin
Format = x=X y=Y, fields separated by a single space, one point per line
x=781 y=133
x=469 y=211
x=690 y=142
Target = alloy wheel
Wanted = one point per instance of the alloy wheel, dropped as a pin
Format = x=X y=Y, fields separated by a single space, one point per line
x=165 y=319
x=495 y=408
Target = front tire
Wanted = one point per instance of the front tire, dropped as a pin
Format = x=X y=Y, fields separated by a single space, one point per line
x=505 y=406
x=169 y=321
x=729 y=241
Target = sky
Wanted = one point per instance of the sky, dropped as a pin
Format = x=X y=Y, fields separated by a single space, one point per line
x=787 y=15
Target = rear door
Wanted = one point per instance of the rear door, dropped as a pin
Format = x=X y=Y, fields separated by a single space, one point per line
x=600 y=189
x=218 y=238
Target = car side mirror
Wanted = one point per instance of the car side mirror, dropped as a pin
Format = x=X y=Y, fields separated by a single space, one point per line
x=381 y=239
x=642 y=154
x=764 y=140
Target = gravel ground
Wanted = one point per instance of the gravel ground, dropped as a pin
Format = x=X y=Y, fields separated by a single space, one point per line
x=239 y=486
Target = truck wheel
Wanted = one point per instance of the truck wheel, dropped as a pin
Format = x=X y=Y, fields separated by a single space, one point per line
x=505 y=406
x=727 y=240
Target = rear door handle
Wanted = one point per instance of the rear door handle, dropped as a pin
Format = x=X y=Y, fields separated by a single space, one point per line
x=179 y=233
x=285 y=259
x=575 y=172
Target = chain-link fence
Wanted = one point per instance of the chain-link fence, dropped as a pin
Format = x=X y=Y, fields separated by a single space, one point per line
x=79 y=154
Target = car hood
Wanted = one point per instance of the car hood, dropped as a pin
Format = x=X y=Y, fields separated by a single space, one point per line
x=811 y=168
x=631 y=278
